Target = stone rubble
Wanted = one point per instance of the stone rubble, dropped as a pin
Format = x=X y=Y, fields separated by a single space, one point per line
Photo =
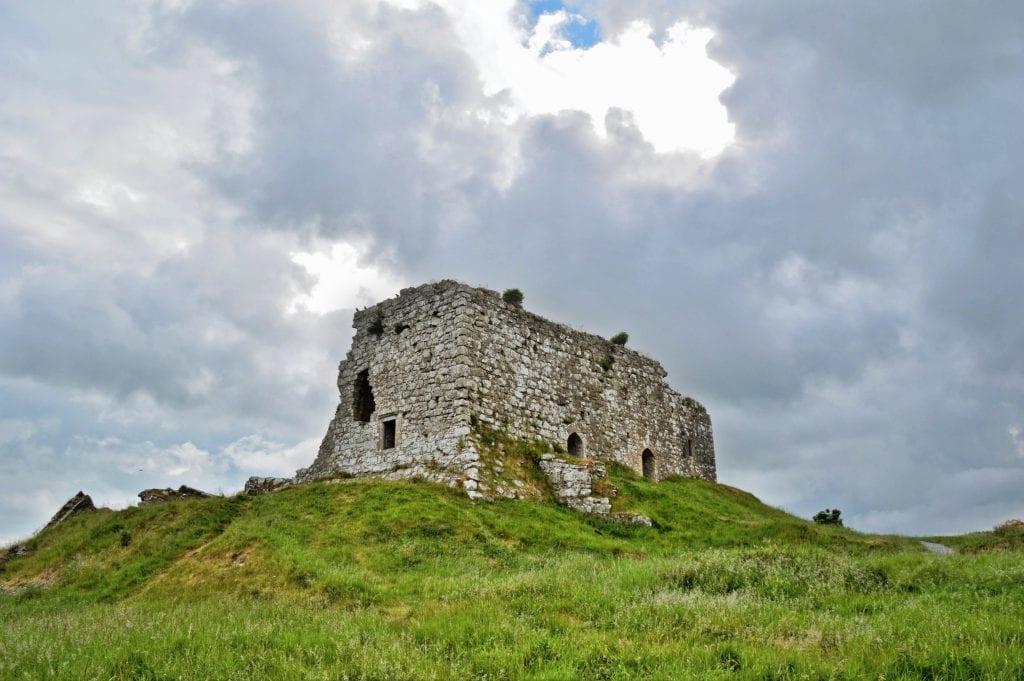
x=159 y=496
x=257 y=485
x=80 y=503
x=573 y=484
x=12 y=552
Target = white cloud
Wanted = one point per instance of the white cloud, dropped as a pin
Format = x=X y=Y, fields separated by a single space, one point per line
x=20 y=430
x=345 y=279
x=259 y=456
x=183 y=462
x=671 y=89
x=1017 y=438
x=110 y=178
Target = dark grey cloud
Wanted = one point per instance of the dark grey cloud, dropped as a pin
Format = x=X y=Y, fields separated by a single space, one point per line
x=838 y=287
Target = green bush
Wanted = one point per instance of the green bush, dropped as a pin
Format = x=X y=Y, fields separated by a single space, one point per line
x=830 y=516
x=621 y=338
x=606 y=362
x=513 y=296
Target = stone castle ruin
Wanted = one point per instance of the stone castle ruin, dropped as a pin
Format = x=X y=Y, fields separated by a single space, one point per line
x=429 y=368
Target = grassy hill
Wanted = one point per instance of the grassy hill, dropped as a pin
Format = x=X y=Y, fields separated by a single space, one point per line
x=393 y=580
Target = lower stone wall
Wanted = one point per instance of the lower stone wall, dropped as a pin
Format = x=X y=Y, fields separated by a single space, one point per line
x=573 y=484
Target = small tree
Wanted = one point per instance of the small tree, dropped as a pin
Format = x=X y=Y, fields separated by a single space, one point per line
x=621 y=338
x=830 y=516
x=513 y=296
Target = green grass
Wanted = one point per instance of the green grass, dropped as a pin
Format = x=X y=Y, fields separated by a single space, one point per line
x=400 y=580
x=1003 y=538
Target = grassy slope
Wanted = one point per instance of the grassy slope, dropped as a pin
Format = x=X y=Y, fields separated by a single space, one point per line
x=376 y=579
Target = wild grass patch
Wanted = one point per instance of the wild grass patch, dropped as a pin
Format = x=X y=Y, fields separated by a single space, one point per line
x=367 y=579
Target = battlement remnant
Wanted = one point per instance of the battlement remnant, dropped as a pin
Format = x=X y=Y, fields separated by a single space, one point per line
x=428 y=364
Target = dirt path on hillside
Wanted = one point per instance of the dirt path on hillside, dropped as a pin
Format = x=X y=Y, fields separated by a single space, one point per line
x=941 y=549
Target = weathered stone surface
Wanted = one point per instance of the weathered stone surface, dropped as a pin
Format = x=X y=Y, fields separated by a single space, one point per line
x=257 y=485
x=158 y=496
x=17 y=551
x=627 y=518
x=80 y=503
x=573 y=483
x=426 y=363
x=12 y=552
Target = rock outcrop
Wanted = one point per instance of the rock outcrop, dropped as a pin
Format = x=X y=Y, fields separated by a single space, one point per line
x=159 y=496
x=80 y=503
x=11 y=553
x=257 y=485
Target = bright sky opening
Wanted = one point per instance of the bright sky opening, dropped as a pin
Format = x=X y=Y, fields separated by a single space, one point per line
x=557 y=63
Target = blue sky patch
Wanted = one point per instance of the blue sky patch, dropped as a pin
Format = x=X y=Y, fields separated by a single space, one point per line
x=581 y=32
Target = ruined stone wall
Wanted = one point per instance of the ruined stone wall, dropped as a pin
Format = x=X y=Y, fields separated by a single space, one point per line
x=547 y=380
x=418 y=366
x=439 y=354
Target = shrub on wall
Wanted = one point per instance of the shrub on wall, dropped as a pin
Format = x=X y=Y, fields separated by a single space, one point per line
x=513 y=296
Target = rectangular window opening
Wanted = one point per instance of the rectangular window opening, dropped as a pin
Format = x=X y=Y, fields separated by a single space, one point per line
x=388 y=439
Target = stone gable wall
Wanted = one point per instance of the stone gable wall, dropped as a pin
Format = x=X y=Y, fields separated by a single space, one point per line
x=441 y=353
x=420 y=376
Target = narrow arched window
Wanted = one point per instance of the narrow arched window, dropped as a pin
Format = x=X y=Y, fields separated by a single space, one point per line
x=575 y=445
x=362 y=397
x=647 y=463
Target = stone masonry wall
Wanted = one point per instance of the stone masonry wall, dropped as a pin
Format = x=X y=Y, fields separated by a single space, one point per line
x=418 y=365
x=546 y=380
x=441 y=353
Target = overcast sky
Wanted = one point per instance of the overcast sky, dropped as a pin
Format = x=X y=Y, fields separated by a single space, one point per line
x=811 y=213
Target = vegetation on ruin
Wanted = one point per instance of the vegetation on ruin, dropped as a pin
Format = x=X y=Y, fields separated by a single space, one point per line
x=368 y=579
x=507 y=460
x=513 y=296
x=830 y=516
x=621 y=338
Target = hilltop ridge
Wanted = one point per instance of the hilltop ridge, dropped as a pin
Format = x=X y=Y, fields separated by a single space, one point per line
x=375 y=579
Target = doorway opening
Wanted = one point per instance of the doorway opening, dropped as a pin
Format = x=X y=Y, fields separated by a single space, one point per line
x=575 y=445
x=647 y=463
